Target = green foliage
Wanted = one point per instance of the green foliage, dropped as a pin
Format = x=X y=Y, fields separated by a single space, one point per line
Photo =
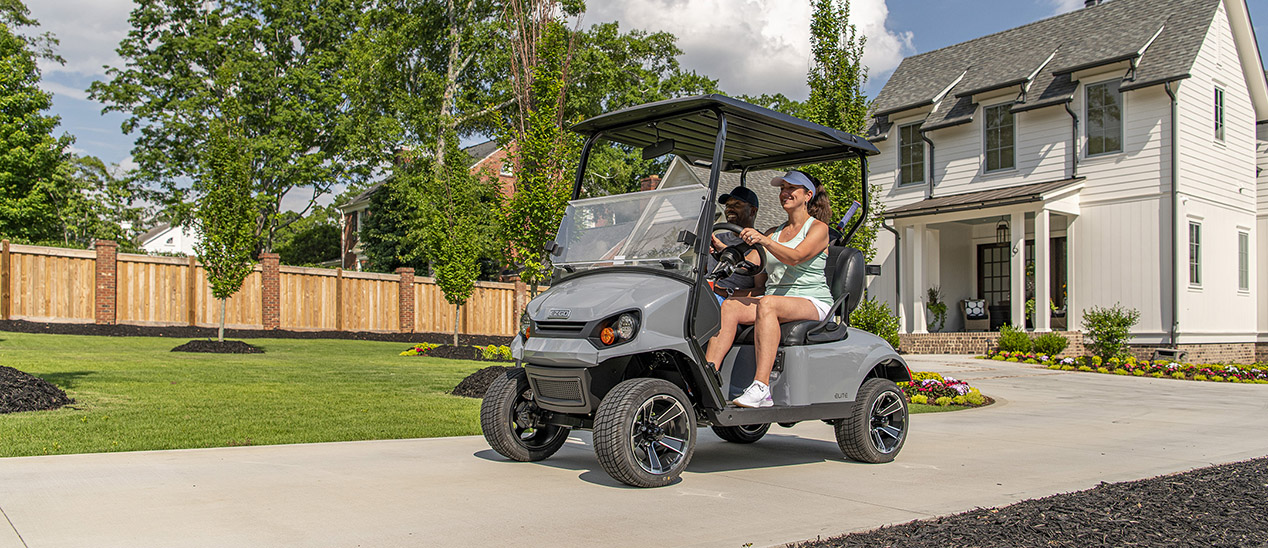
x=496 y=353
x=875 y=317
x=1050 y=344
x=384 y=234
x=1013 y=339
x=837 y=100
x=274 y=66
x=937 y=308
x=308 y=240
x=226 y=214
x=29 y=153
x=92 y=203
x=1107 y=329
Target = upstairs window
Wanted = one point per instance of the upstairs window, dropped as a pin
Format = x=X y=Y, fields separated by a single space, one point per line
x=999 y=137
x=1104 y=119
x=911 y=155
x=1219 y=114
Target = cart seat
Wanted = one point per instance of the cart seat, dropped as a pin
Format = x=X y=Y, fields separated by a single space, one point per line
x=845 y=270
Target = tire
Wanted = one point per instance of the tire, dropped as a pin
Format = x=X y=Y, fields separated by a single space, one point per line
x=748 y=433
x=877 y=428
x=645 y=432
x=507 y=420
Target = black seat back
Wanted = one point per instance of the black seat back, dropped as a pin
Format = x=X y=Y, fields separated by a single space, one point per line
x=845 y=274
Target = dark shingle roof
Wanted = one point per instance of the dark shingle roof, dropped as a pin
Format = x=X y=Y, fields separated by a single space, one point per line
x=1050 y=50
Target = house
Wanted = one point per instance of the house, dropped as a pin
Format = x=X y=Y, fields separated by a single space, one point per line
x=769 y=213
x=167 y=239
x=1113 y=154
x=488 y=160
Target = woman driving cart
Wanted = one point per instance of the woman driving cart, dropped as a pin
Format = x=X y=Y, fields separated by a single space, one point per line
x=796 y=287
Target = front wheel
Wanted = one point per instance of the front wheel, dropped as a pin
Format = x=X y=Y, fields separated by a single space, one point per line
x=748 y=433
x=510 y=420
x=877 y=427
x=645 y=432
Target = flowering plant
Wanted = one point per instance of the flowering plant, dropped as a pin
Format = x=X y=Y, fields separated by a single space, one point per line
x=932 y=387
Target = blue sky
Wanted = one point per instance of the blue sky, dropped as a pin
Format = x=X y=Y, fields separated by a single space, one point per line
x=774 y=58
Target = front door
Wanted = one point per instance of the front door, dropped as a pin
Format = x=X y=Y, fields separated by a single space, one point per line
x=993 y=282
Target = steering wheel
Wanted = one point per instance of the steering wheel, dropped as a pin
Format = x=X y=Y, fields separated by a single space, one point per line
x=734 y=254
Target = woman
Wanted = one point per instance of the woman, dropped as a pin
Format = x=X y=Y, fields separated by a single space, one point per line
x=796 y=287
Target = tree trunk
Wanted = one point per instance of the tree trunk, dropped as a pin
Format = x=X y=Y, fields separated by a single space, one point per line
x=447 y=123
x=221 y=336
x=456 y=310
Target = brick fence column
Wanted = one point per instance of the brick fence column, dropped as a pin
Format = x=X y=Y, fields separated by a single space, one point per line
x=271 y=287
x=107 y=282
x=406 y=299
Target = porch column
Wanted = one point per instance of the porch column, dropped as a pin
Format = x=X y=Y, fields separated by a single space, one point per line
x=1017 y=268
x=916 y=290
x=1043 y=256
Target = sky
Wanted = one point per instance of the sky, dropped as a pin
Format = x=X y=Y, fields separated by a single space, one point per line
x=749 y=46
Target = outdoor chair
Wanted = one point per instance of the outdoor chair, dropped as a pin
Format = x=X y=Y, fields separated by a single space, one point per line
x=977 y=316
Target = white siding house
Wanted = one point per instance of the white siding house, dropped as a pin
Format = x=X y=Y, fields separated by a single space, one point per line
x=1036 y=164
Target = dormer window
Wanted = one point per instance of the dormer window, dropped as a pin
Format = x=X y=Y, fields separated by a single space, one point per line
x=1104 y=118
x=1000 y=138
x=911 y=155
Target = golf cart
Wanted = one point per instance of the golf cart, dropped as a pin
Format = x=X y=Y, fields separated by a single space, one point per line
x=616 y=345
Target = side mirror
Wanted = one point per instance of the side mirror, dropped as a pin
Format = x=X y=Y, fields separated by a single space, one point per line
x=553 y=249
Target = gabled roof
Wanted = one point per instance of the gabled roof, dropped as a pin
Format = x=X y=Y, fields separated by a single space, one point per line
x=1160 y=37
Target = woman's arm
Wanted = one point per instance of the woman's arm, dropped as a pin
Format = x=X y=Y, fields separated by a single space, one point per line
x=816 y=241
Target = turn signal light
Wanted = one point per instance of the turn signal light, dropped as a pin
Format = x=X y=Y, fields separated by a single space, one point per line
x=608 y=335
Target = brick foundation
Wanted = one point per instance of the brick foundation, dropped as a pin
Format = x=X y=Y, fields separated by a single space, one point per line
x=406 y=299
x=105 y=286
x=270 y=290
x=981 y=343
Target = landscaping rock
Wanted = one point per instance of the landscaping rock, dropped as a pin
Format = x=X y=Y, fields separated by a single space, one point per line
x=218 y=347
x=21 y=392
x=476 y=384
x=1217 y=506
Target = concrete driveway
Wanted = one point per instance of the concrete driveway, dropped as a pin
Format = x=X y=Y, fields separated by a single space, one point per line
x=1050 y=432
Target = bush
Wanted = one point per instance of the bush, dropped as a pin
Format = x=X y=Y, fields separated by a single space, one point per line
x=876 y=318
x=1050 y=344
x=943 y=401
x=495 y=352
x=919 y=399
x=1012 y=339
x=1107 y=330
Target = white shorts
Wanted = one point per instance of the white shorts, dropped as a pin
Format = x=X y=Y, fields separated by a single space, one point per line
x=821 y=306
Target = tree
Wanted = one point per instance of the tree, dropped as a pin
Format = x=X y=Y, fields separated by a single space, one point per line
x=384 y=233
x=226 y=215
x=540 y=47
x=29 y=153
x=92 y=202
x=285 y=62
x=837 y=101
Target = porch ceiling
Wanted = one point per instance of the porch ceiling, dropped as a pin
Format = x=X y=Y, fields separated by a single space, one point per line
x=981 y=199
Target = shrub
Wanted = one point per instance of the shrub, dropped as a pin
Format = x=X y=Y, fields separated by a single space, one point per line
x=1199 y=377
x=1085 y=368
x=917 y=376
x=1102 y=370
x=975 y=398
x=1139 y=372
x=495 y=352
x=943 y=401
x=998 y=357
x=1012 y=339
x=1178 y=375
x=876 y=318
x=1107 y=330
x=1055 y=366
x=919 y=399
x=1217 y=378
x=1069 y=367
x=1050 y=343
x=960 y=400
x=1120 y=371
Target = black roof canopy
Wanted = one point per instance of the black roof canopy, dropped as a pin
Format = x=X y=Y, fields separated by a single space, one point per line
x=756 y=137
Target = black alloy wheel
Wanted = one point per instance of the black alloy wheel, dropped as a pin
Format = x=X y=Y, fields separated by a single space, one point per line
x=511 y=421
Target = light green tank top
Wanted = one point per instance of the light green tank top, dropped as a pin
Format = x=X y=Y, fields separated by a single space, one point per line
x=804 y=280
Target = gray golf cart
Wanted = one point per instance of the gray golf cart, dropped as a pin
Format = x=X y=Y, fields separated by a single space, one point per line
x=616 y=344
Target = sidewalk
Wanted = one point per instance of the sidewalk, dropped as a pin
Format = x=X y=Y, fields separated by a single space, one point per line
x=1051 y=432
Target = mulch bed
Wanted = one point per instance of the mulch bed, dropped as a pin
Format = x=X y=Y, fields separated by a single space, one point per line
x=185 y=332
x=455 y=352
x=218 y=347
x=476 y=384
x=21 y=392
x=1222 y=506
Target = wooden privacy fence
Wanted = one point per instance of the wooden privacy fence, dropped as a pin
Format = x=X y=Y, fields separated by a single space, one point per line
x=48 y=284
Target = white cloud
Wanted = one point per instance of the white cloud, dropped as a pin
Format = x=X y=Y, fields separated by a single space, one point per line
x=753 y=46
x=1063 y=6
x=63 y=90
x=126 y=166
x=89 y=31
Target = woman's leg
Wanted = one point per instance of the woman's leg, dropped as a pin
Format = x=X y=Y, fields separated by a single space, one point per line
x=772 y=311
x=736 y=311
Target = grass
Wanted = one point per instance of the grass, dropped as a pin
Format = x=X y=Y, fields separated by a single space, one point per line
x=134 y=394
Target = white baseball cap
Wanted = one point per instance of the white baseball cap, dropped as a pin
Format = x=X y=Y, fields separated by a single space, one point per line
x=795 y=178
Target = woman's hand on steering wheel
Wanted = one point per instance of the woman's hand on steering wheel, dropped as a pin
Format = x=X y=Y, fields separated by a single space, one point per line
x=736 y=254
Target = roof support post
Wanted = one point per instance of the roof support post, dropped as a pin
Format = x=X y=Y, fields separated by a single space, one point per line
x=915 y=305
x=1043 y=254
x=1017 y=269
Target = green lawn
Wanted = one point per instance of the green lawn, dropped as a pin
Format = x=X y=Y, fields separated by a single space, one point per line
x=133 y=394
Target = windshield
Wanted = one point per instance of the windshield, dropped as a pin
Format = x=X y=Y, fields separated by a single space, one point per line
x=635 y=229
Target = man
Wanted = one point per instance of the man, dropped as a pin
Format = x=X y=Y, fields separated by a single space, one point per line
x=740 y=209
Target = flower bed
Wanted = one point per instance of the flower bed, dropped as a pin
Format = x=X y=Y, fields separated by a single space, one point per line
x=1245 y=374
x=934 y=389
x=491 y=353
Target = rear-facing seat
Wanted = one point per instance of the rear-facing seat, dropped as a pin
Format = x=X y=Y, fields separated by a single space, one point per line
x=845 y=270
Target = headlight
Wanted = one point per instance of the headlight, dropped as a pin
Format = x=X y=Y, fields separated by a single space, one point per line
x=625 y=326
x=526 y=325
x=619 y=329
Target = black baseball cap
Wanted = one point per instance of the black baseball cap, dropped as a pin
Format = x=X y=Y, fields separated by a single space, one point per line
x=740 y=193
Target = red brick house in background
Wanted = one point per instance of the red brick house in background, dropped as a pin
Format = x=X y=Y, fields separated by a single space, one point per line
x=488 y=160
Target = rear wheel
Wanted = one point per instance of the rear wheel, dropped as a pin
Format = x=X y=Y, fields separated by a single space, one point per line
x=748 y=433
x=876 y=429
x=645 y=432
x=511 y=421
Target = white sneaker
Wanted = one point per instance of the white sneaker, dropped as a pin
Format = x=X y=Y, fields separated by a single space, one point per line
x=756 y=395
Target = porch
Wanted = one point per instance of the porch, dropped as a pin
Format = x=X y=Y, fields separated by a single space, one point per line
x=1009 y=247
